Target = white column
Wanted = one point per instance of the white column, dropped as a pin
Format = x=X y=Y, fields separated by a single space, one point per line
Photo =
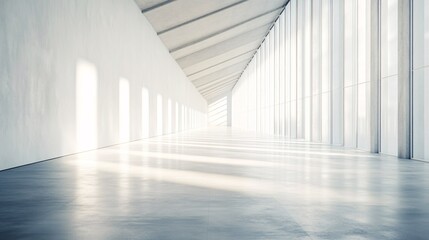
x=404 y=78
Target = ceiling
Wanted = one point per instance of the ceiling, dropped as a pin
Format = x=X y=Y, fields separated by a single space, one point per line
x=212 y=40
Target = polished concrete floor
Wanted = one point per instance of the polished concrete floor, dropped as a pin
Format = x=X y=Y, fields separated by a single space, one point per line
x=217 y=184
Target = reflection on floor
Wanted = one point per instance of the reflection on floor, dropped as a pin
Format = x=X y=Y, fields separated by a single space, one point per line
x=217 y=184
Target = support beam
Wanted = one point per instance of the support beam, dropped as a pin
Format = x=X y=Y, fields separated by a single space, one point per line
x=217 y=92
x=217 y=87
x=234 y=75
x=404 y=78
x=234 y=69
x=375 y=76
x=224 y=30
x=156 y=6
x=201 y=17
x=337 y=71
x=224 y=81
x=232 y=59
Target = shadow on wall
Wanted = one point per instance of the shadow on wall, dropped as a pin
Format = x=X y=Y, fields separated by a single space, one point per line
x=177 y=116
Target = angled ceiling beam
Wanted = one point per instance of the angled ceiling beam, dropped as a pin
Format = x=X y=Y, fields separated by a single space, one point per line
x=156 y=6
x=217 y=93
x=201 y=17
x=214 y=89
x=223 y=30
x=207 y=44
x=201 y=83
x=216 y=96
x=204 y=86
x=234 y=69
x=219 y=52
x=220 y=63
x=234 y=75
x=217 y=86
x=216 y=99
x=272 y=25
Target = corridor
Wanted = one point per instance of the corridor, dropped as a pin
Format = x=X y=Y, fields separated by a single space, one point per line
x=217 y=183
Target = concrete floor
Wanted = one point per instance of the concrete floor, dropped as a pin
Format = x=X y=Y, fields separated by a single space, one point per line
x=217 y=184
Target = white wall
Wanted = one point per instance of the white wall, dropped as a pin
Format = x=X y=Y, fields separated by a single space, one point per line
x=78 y=75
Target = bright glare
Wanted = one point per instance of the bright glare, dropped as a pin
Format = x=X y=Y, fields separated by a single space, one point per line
x=169 y=117
x=86 y=182
x=159 y=114
x=86 y=106
x=123 y=166
x=183 y=117
x=177 y=116
x=124 y=110
x=145 y=113
x=203 y=159
x=223 y=182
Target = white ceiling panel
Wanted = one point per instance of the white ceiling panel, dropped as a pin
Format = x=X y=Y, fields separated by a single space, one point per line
x=213 y=41
x=203 y=84
x=185 y=12
x=234 y=31
x=219 y=81
x=218 y=22
x=233 y=69
x=222 y=58
x=149 y=5
x=222 y=47
x=214 y=68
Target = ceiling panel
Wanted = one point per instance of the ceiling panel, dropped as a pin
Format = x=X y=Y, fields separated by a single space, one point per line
x=214 y=68
x=218 y=49
x=216 y=38
x=216 y=89
x=201 y=83
x=185 y=12
x=233 y=69
x=218 y=81
x=227 y=57
x=212 y=41
x=216 y=94
x=218 y=22
x=150 y=5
